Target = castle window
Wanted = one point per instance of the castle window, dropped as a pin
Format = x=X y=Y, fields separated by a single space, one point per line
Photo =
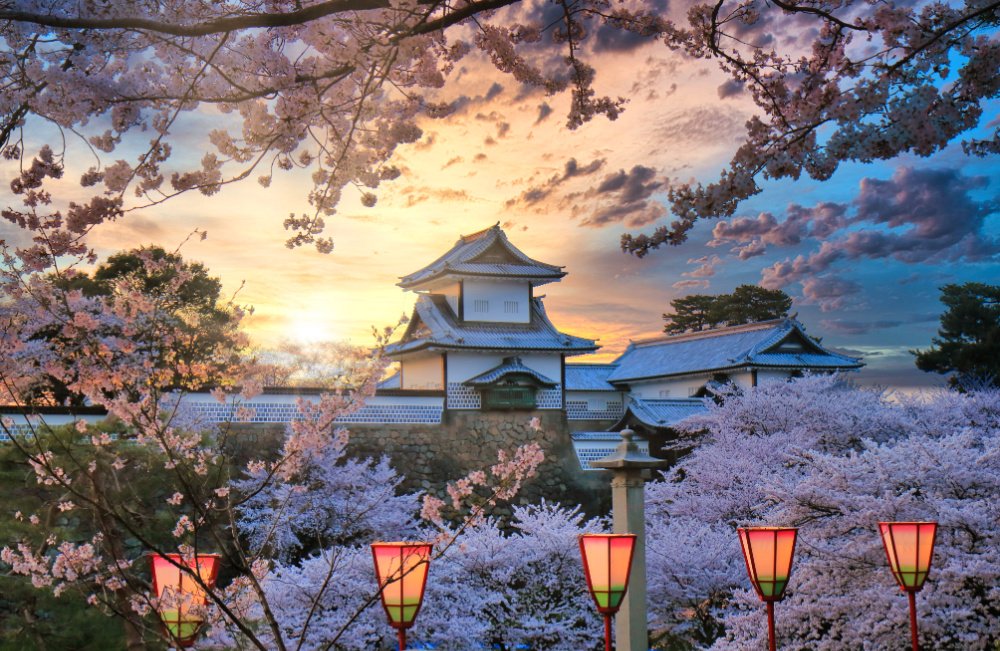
x=509 y=396
x=480 y=305
x=510 y=307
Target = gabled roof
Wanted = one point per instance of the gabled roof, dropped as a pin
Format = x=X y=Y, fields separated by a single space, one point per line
x=511 y=366
x=391 y=382
x=434 y=327
x=664 y=412
x=487 y=253
x=781 y=343
x=589 y=377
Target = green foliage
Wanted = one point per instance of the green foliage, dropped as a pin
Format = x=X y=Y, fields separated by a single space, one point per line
x=117 y=478
x=32 y=618
x=747 y=304
x=185 y=297
x=968 y=341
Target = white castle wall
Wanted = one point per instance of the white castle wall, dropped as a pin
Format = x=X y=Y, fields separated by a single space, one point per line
x=496 y=301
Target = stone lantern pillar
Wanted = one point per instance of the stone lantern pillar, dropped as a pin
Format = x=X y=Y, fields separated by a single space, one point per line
x=630 y=469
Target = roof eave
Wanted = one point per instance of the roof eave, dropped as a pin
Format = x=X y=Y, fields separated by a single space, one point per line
x=745 y=365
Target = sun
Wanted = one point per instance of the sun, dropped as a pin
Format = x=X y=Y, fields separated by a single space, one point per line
x=310 y=330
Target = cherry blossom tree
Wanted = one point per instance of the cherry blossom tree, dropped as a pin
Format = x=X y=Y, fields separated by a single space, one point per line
x=123 y=353
x=834 y=460
x=336 y=86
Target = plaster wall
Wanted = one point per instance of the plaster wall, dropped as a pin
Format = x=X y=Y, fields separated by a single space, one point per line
x=684 y=387
x=462 y=366
x=596 y=400
x=772 y=376
x=669 y=388
x=496 y=302
x=423 y=372
x=451 y=294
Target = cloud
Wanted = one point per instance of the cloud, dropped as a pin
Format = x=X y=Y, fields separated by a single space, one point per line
x=572 y=169
x=819 y=221
x=634 y=214
x=493 y=91
x=917 y=216
x=417 y=195
x=847 y=327
x=750 y=250
x=612 y=38
x=635 y=185
x=940 y=220
x=705 y=125
x=730 y=88
x=544 y=111
x=829 y=292
x=691 y=284
x=706 y=266
x=624 y=198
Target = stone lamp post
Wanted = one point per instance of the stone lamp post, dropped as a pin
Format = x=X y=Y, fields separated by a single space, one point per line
x=630 y=469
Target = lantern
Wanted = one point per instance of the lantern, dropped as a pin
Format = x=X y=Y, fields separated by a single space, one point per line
x=179 y=596
x=401 y=568
x=768 y=554
x=607 y=562
x=909 y=547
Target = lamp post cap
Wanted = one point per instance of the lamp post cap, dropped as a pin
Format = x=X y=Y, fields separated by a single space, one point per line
x=628 y=456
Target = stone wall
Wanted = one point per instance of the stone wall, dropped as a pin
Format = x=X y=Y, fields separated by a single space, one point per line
x=429 y=456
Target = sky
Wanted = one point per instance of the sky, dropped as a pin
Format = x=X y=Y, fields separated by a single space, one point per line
x=863 y=254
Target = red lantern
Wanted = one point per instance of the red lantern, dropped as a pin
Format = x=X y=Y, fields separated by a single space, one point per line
x=768 y=553
x=607 y=563
x=401 y=568
x=180 y=597
x=909 y=547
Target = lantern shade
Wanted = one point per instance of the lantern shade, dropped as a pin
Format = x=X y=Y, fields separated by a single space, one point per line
x=607 y=562
x=909 y=547
x=180 y=597
x=768 y=554
x=401 y=568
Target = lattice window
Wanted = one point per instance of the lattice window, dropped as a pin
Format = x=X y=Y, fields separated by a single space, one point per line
x=480 y=305
x=510 y=307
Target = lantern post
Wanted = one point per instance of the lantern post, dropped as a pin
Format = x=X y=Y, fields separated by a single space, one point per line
x=401 y=569
x=909 y=547
x=630 y=469
x=179 y=596
x=768 y=553
x=607 y=561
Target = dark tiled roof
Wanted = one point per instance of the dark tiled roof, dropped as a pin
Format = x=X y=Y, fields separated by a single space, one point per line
x=391 y=382
x=510 y=366
x=471 y=257
x=663 y=412
x=589 y=377
x=434 y=326
x=754 y=345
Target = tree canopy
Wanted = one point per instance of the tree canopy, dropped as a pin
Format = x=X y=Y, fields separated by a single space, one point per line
x=747 y=304
x=968 y=342
x=183 y=293
x=336 y=86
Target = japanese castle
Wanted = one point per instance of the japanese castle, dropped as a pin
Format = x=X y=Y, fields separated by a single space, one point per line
x=479 y=340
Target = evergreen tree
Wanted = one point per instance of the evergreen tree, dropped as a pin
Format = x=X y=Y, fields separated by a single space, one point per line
x=747 y=304
x=186 y=295
x=968 y=341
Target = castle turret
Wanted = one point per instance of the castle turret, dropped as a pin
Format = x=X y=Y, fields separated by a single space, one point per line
x=480 y=334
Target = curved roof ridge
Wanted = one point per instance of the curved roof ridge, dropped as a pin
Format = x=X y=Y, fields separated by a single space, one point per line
x=461 y=259
x=715 y=332
x=478 y=234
